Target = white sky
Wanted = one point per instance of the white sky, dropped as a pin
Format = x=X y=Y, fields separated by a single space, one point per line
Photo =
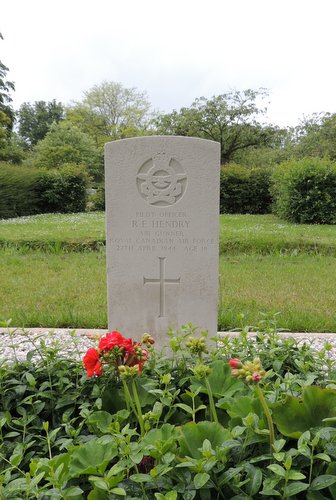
x=176 y=50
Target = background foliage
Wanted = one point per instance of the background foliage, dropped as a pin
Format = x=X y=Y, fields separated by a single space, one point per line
x=305 y=190
x=245 y=191
x=26 y=191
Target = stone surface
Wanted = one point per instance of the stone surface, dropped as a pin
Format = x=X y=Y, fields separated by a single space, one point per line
x=162 y=217
x=18 y=342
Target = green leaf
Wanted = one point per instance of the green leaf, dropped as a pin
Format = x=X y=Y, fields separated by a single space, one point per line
x=278 y=445
x=316 y=495
x=295 y=488
x=270 y=492
x=296 y=415
x=100 y=420
x=30 y=379
x=92 y=457
x=242 y=406
x=119 y=491
x=186 y=408
x=98 y=482
x=201 y=479
x=255 y=476
x=171 y=495
x=331 y=469
x=166 y=432
x=323 y=456
x=194 y=434
x=277 y=469
x=220 y=380
x=35 y=480
x=321 y=482
x=261 y=458
x=295 y=475
x=73 y=491
x=229 y=474
x=141 y=478
x=98 y=495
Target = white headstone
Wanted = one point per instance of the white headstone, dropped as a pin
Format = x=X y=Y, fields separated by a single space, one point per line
x=162 y=231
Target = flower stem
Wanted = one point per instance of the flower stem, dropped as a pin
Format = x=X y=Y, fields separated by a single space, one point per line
x=268 y=416
x=138 y=406
x=128 y=398
x=211 y=401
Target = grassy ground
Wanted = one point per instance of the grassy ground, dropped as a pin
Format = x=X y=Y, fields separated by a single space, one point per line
x=301 y=288
x=266 y=266
x=41 y=289
x=238 y=233
x=269 y=234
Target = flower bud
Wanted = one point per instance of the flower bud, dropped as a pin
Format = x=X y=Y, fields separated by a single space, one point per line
x=147 y=339
x=196 y=345
x=235 y=363
x=201 y=371
x=256 y=377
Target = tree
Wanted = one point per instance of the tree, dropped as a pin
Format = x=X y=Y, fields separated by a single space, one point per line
x=316 y=136
x=111 y=111
x=230 y=119
x=6 y=110
x=64 y=144
x=36 y=119
x=280 y=147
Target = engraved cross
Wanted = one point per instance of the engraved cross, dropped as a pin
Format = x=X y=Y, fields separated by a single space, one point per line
x=162 y=281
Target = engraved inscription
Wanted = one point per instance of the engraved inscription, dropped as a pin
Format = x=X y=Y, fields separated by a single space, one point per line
x=161 y=180
x=162 y=281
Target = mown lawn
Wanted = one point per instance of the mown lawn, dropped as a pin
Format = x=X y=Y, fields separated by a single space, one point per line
x=266 y=267
x=238 y=233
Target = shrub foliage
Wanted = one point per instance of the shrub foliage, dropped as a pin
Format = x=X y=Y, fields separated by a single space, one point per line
x=305 y=191
x=183 y=428
x=27 y=191
x=62 y=190
x=245 y=191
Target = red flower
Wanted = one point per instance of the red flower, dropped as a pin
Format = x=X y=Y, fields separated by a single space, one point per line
x=128 y=345
x=91 y=362
x=235 y=363
x=111 y=340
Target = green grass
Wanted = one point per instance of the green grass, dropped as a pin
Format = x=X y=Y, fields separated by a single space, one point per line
x=49 y=231
x=238 y=233
x=39 y=289
x=267 y=266
x=301 y=288
x=268 y=234
x=69 y=290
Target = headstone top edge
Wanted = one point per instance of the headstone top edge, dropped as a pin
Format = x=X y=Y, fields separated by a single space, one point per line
x=149 y=138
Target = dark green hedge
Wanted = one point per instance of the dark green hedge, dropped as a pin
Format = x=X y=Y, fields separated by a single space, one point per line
x=245 y=191
x=62 y=190
x=305 y=191
x=28 y=191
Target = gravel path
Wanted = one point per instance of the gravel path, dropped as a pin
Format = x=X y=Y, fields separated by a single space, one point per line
x=74 y=343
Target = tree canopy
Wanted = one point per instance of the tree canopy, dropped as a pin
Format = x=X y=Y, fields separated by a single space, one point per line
x=110 y=111
x=36 y=119
x=65 y=143
x=316 y=136
x=6 y=110
x=230 y=118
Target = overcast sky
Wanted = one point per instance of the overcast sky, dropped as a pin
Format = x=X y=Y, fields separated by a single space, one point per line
x=176 y=50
